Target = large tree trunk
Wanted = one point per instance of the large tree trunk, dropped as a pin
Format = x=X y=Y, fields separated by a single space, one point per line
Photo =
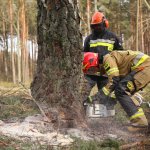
x=57 y=80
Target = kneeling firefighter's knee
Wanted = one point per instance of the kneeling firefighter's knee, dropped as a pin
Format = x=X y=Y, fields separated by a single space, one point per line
x=131 y=87
x=120 y=89
x=124 y=87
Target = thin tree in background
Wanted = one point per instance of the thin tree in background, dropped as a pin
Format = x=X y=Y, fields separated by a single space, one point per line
x=137 y=27
x=141 y=26
x=5 y=46
x=95 y=5
x=18 y=47
x=23 y=37
x=11 y=39
x=26 y=56
x=88 y=14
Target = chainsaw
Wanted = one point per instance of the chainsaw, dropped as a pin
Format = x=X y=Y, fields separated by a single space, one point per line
x=97 y=110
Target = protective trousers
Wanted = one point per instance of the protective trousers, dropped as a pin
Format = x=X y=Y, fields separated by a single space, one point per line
x=94 y=81
x=130 y=84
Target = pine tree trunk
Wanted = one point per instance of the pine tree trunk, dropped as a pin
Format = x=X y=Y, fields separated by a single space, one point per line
x=132 y=24
x=95 y=5
x=5 y=47
x=11 y=36
x=137 y=27
x=141 y=27
x=57 y=80
x=88 y=15
x=26 y=56
x=18 y=49
x=23 y=39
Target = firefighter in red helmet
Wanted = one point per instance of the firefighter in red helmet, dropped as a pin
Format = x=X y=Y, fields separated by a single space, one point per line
x=99 y=41
x=128 y=72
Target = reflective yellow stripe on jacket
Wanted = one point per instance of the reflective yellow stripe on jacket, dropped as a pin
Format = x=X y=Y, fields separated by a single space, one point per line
x=138 y=60
x=137 y=114
x=112 y=70
x=106 y=92
x=102 y=42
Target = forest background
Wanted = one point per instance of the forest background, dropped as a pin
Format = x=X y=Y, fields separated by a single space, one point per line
x=22 y=22
x=129 y=19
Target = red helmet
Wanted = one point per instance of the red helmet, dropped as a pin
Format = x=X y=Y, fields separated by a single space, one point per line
x=90 y=60
x=98 y=18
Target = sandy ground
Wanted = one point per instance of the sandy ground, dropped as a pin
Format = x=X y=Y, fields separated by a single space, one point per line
x=34 y=128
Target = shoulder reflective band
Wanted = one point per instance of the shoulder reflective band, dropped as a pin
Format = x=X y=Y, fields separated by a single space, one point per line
x=138 y=60
x=102 y=42
x=137 y=114
x=106 y=92
x=112 y=70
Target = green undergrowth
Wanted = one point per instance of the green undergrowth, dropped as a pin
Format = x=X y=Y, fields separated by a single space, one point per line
x=107 y=144
x=16 y=107
x=7 y=143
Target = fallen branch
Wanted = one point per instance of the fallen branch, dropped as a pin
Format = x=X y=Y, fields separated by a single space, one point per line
x=128 y=146
x=28 y=93
x=148 y=6
x=10 y=92
x=140 y=144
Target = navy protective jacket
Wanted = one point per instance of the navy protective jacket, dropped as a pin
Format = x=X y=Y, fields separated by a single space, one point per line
x=102 y=43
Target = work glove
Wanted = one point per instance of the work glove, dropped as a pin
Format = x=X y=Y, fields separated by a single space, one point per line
x=99 y=96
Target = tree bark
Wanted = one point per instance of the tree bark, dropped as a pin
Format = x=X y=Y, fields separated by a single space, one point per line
x=56 y=85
